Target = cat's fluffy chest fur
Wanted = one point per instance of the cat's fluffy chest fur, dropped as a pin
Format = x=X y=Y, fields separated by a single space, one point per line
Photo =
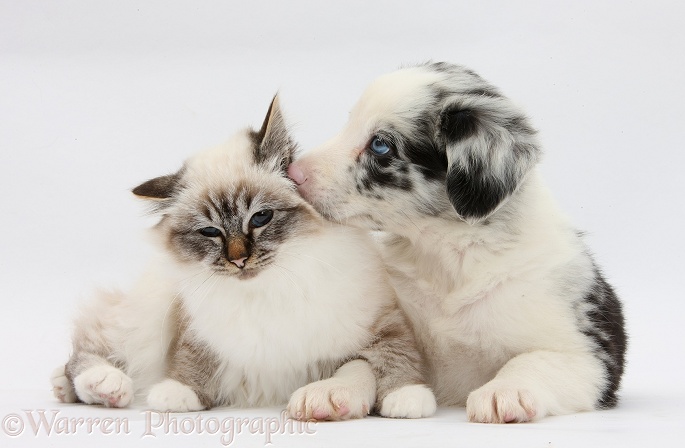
x=293 y=323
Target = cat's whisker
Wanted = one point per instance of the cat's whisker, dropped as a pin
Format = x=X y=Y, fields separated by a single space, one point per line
x=204 y=292
x=287 y=273
x=314 y=258
x=207 y=290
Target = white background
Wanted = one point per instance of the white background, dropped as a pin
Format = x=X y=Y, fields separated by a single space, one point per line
x=97 y=96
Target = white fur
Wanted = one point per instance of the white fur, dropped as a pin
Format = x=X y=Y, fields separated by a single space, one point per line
x=479 y=303
x=493 y=307
x=415 y=401
x=172 y=396
x=350 y=393
x=61 y=386
x=138 y=327
x=104 y=384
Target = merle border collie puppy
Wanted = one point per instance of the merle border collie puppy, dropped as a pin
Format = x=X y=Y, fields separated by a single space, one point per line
x=515 y=318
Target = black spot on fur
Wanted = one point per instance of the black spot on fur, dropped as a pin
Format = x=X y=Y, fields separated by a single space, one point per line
x=453 y=69
x=458 y=124
x=474 y=193
x=363 y=184
x=387 y=170
x=387 y=176
x=420 y=149
x=607 y=332
x=518 y=125
x=483 y=91
x=440 y=67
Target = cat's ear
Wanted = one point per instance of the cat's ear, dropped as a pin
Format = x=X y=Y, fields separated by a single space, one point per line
x=274 y=147
x=160 y=188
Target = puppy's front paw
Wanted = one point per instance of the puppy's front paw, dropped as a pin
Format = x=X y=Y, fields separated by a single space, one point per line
x=330 y=399
x=61 y=386
x=173 y=396
x=500 y=403
x=415 y=401
x=104 y=385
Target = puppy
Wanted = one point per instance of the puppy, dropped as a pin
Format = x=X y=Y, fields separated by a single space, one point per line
x=515 y=319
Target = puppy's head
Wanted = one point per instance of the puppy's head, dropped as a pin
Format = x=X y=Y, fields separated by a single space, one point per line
x=435 y=139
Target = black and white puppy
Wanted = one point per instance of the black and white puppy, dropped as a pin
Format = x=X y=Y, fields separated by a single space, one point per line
x=513 y=315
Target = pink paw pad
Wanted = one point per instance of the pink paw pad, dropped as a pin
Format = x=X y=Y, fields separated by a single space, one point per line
x=320 y=414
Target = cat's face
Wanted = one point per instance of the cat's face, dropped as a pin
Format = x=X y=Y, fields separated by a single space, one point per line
x=232 y=209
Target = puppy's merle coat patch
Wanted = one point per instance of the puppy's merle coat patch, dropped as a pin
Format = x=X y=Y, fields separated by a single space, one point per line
x=515 y=319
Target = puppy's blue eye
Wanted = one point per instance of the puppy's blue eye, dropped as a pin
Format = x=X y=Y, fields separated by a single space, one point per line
x=261 y=218
x=210 y=232
x=379 y=146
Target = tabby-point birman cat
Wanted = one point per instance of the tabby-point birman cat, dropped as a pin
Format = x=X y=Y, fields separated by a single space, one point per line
x=253 y=299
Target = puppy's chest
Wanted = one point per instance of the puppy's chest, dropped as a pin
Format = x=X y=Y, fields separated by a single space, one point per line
x=445 y=314
x=463 y=349
x=450 y=290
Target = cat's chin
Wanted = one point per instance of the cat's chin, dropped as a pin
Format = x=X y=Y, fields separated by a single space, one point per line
x=245 y=274
x=248 y=274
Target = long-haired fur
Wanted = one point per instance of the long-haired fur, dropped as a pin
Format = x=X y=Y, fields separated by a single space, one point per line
x=515 y=318
x=253 y=300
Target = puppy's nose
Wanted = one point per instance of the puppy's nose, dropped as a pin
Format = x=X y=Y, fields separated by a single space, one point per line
x=296 y=174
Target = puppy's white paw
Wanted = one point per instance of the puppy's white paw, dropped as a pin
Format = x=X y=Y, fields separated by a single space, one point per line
x=173 y=396
x=61 y=386
x=330 y=399
x=501 y=403
x=104 y=385
x=414 y=401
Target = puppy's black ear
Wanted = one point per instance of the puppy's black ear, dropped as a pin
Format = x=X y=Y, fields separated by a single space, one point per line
x=273 y=145
x=489 y=149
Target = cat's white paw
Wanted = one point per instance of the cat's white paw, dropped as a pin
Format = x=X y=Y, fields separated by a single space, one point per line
x=173 y=396
x=104 y=385
x=414 y=401
x=61 y=386
x=497 y=402
x=330 y=399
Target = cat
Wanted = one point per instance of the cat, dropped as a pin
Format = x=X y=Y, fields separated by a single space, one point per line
x=253 y=300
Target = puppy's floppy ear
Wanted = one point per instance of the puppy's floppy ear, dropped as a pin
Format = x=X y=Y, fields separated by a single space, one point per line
x=273 y=145
x=490 y=148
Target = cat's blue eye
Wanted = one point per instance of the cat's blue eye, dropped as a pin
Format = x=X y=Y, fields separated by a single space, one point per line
x=210 y=232
x=261 y=218
x=379 y=147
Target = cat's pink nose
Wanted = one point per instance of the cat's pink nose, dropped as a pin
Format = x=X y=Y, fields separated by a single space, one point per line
x=296 y=174
x=240 y=262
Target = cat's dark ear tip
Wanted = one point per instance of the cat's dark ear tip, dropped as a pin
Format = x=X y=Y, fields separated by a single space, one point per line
x=162 y=187
x=142 y=191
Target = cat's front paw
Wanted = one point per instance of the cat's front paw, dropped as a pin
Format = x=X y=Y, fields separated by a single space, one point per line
x=61 y=386
x=496 y=402
x=330 y=399
x=173 y=396
x=104 y=385
x=414 y=401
